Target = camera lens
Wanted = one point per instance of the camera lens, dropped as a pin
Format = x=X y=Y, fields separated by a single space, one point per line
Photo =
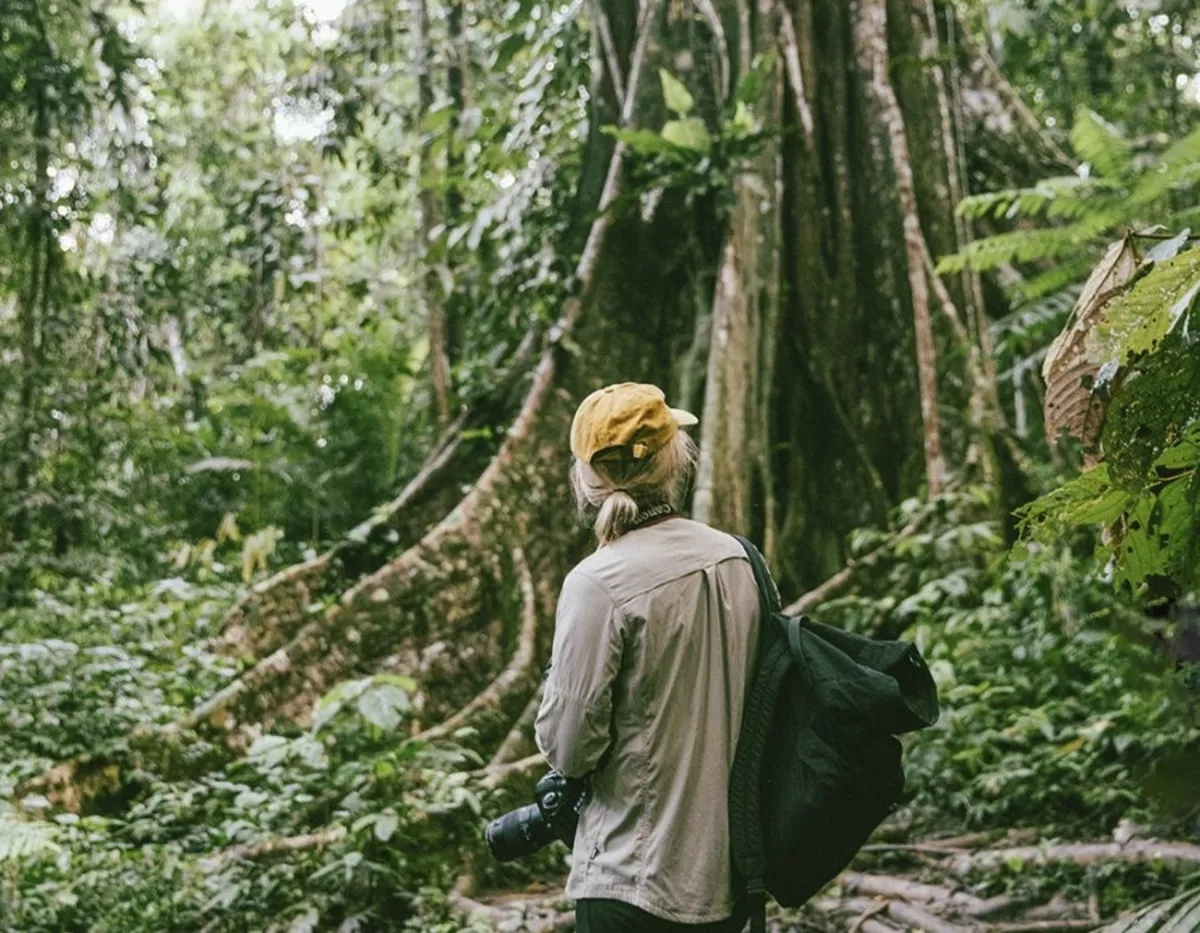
x=517 y=834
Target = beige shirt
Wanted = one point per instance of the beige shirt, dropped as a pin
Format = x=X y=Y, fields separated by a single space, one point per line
x=654 y=639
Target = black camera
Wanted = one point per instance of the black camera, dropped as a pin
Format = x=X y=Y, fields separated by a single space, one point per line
x=554 y=814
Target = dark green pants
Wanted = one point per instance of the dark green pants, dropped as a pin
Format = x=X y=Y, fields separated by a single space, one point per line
x=604 y=916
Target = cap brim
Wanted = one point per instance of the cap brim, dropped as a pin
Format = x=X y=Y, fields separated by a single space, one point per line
x=685 y=419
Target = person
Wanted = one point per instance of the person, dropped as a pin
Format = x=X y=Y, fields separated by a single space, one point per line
x=654 y=643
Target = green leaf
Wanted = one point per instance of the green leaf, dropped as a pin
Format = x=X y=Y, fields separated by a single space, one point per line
x=1100 y=143
x=687 y=134
x=1136 y=322
x=675 y=95
x=743 y=119
x=331 y=704
x=1087 y=499
x=385 y=824
x=1141 y=554
x=382 y=705
x=751 y=85
x=643 y=142
x=1153 y=409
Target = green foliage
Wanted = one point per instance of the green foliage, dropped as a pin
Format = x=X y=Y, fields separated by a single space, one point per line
x=381 y=700
x=80 y=671
x=1145 y=493
x=1124 y=194
x=22 y=839
x=1142 y=350
x=686 y=155
x=1136 y=322
x=392 y=818
x=1130 y=61
x=1100 y=144
x=1056 y=710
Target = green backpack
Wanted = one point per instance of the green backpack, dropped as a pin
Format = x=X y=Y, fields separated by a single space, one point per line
x=817 y=766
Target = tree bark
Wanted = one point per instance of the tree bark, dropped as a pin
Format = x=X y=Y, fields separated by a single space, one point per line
x=735 y=468
x=872 y=38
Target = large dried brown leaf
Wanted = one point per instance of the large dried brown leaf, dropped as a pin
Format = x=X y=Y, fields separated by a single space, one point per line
x=1069 y=374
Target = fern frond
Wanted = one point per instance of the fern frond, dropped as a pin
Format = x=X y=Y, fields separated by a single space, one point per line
x=1100 y=144
x=1061 y=196
x=1053 y=281
x=1015 y=246
x=1090 y=195
x=1052 y=307
x=1178 y=167
x=23 y=838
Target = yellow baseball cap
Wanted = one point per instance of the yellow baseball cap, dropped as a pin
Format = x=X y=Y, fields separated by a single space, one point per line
x=627 y=421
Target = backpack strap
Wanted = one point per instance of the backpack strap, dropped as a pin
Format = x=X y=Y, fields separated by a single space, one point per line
x=745 y=805
x=768 y=593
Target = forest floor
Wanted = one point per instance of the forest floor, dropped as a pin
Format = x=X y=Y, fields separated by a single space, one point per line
x=925 y=885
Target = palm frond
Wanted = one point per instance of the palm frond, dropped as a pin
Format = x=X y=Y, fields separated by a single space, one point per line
x=1101 y=144
x=1178 y=915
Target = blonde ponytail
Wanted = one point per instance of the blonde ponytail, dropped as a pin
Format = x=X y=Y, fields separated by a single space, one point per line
x=616 y=515
x=619 y=491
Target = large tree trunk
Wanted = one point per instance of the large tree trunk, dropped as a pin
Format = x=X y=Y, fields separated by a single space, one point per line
x=797 y=309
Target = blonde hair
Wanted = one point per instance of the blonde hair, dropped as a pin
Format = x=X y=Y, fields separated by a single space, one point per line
x=619 y=491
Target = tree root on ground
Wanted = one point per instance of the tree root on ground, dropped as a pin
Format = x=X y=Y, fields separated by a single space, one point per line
x=241 y=629
x=514 y=675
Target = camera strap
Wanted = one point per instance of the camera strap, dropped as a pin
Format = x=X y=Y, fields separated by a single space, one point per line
x=652 y=515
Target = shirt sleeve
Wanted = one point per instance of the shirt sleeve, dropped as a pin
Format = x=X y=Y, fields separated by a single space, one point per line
x=573 y=724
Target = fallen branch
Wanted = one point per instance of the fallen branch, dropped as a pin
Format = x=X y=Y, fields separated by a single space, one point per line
x=925 y=848
x=998 y=906
x=1045 y=926
x=518 y=668
x=913 y=916
x=1081 y=853
x=249 y=851
x=904 y=889
x=864 y=922
x=974 y=840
